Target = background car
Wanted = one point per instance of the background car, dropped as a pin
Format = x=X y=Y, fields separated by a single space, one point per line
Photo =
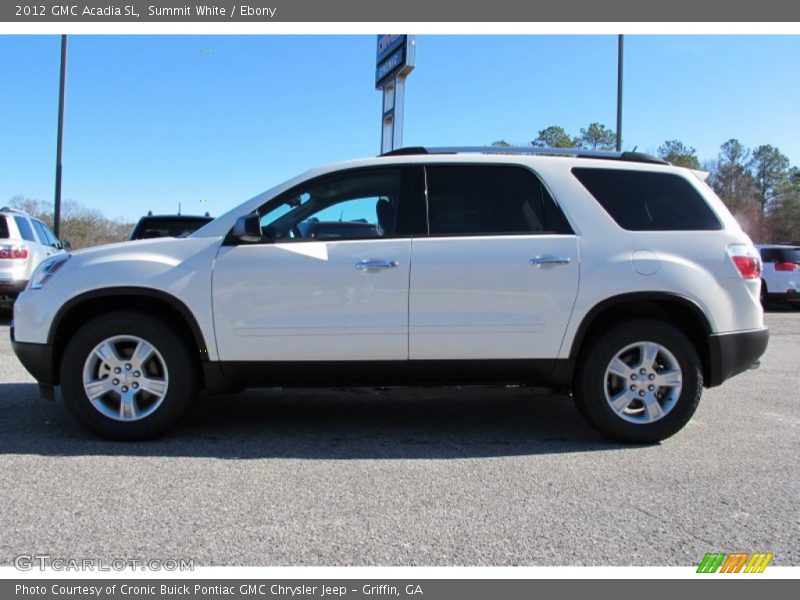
x=24 y=242
x=780 y=280
x=156 y=226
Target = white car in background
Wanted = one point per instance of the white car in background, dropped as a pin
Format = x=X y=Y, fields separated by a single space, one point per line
x=24 y=243
x=780 y=280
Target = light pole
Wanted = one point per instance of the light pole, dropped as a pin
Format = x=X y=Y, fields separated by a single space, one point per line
x=620 y=53
x=62 y=85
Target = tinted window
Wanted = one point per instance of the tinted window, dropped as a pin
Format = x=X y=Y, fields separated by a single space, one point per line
x=781 y=255
x=646 y=201
x=3 y=228
x=24 y=229
x=358 y=205
x=41 y=232
x=476 y=200
x=154 y=227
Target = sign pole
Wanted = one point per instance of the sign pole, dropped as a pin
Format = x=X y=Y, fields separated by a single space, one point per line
x=59 y=138
x=620 y=54
x=395 y=60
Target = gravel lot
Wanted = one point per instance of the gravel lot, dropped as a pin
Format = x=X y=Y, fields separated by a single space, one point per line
x=421 y=477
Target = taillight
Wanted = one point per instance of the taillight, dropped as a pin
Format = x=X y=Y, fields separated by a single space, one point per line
x=14 y=252
x=746 y=259
x=787 y=266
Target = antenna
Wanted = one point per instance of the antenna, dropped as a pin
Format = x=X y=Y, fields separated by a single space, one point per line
x=179 y=208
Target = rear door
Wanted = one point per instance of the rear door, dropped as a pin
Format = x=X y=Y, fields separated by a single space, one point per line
x=496 y=276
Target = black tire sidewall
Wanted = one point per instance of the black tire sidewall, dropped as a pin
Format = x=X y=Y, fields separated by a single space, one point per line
x=182 y=371
x=590 y=389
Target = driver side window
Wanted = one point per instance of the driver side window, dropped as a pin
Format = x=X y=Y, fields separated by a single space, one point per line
x=358 y=205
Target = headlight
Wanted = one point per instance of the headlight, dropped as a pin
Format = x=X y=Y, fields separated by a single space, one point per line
x=46 y=269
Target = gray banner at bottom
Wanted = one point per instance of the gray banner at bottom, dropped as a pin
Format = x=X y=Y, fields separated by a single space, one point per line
x=356 y=589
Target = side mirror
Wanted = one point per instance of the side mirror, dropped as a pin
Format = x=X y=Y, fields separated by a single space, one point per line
x=66 y=246
x=248 y=228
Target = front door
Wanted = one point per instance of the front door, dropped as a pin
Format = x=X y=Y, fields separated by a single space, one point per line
x=329 y=281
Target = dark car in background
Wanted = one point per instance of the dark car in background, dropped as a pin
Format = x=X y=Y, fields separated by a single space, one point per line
x=155 y=226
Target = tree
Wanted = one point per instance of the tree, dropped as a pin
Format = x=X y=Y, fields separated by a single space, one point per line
x=783 y=218
x=731 y=178
x=678 y=154
x=501 y=143
x=80 y=226
x=598 y=137
x=555 y=137
x=770 y=169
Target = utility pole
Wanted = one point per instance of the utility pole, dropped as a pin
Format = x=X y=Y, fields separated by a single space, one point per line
x=62 y=85
x=620 y=54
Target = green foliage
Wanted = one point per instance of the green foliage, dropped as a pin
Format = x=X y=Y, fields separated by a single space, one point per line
x=679 y=154
x=598 y=137
x=501 y=143
x=770 y=169
x=555 y=137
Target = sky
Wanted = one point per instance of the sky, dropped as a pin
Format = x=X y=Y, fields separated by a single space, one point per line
x=208 y=122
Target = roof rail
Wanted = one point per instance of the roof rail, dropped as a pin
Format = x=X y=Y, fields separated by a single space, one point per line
x=532 y=150
x=13 y=210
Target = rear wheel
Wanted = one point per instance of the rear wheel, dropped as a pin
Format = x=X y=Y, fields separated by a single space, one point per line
x=639 y=381
x=128 y=376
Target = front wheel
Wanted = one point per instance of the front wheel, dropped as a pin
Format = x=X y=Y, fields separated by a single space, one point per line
x=128 y=376
x=639 y=381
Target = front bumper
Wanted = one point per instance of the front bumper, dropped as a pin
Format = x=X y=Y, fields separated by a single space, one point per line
x=37 y=359
x=734 y=353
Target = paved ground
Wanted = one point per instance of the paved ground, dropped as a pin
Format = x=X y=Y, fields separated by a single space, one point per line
x=464 y=477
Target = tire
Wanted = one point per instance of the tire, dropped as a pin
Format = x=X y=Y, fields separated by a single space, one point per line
x=650 y=412
x=157 y=389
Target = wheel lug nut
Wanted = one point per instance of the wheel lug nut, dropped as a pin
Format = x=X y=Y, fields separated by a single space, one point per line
x=128 y=367
x=135 y=385
x=115 y=382
x=642 y=371
x=117 y=370
x=633 y=388
x=633 y=377
x=641 y=392
x=137 y=374
x=651 y=376
x=124 y=388
x=651 y=387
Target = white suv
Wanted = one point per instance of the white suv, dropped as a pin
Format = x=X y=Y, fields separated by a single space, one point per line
x=24 y=242
x=613 y=275
x=780 y=280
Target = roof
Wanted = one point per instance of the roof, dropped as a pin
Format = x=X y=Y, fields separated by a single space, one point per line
x=627 y=156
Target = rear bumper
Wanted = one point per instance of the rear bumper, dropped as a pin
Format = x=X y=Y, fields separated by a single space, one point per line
x=10 y=289
x=37 y=359
x=733 y=353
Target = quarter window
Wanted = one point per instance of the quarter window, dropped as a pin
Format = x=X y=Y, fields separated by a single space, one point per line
x=25 y=229
x=486 y=200
x=647 y=201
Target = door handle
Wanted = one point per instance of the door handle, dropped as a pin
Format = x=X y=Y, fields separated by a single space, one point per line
x=369 y=265
x=538 y=261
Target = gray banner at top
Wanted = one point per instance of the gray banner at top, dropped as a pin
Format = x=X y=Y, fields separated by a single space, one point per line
x=400 y=10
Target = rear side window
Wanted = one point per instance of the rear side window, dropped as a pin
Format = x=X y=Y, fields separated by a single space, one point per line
x=773 y=255
x=3 y=228
x=646 y=201
x=485 y=200
x=24 y=229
